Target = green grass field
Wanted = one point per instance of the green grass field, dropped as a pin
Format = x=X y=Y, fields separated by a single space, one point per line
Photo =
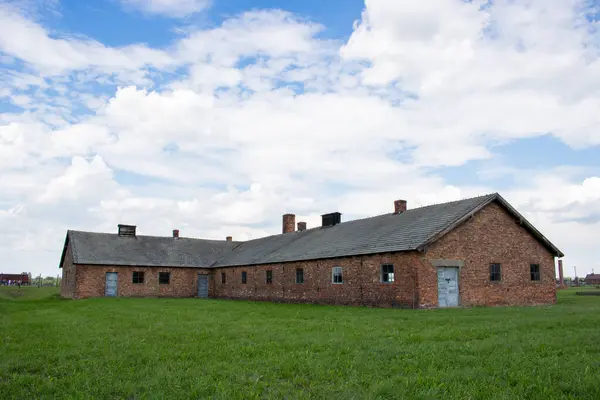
x=28 y=293
x=190 y=348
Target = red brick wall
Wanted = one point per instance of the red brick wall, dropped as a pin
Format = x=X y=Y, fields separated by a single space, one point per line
x=361 y=285
x=491 y=236
x=91 y=280
x=67 y=283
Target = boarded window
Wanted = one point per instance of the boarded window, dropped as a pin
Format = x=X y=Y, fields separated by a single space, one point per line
x=244 y=277
x=299 y=275
x=387 y=273
x=337 y=275
x=138 y=277
x=495 y=273
x=164 y=278
x=223 y=278
x=534 y=269
x=269 y=275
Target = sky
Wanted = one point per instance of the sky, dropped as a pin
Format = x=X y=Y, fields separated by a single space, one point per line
x=216 y=117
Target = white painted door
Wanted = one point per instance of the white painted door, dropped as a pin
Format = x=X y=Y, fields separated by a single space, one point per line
x=448 y=286
x=111 y=284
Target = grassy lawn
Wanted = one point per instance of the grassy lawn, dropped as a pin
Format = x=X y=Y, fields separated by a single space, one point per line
x=189 y=348
x=26 y=293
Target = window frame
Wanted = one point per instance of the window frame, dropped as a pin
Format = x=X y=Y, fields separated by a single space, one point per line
x=341 y=275
x=223 y=278
x=383 y=273
x=162 y=274
x=495 y=276
x=244 y=277
x=269 y=276
x=533 y=274
x=301 y=280
x=140 y=277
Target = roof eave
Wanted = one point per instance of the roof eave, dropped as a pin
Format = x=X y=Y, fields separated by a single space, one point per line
x=455 y=224
x=64 y=252
x=533 y=230
x=135 y=265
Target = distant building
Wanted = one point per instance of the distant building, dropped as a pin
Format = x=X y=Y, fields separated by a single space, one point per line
x=472 y=252
x=16 y=278
x=592 y=279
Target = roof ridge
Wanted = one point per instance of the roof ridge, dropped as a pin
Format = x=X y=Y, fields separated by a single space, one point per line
x=157 y=237
x=294 y=232
x=376 y=216
x=411 y=230
x=455 y=201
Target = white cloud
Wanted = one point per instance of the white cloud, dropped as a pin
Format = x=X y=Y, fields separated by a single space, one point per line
x=171 y=8
x=270 y=118
x=82 y=182
x=513 y=69
x=21 y=144
x=28 y=41
x=78 y=139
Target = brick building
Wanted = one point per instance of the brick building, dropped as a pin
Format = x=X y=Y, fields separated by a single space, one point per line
x=592 y=279
x=478 y=251
x=22 y=278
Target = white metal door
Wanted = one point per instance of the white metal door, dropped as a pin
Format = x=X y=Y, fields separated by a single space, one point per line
x=448 y=287
x=111 y=284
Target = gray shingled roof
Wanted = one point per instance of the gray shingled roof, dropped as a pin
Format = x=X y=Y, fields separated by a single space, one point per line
x=383 y=233
x=411 y=230
x=152 y=251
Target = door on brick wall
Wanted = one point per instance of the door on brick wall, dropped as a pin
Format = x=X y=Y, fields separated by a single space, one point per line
x=202 y=285
x=447 y=286
x=111 y=284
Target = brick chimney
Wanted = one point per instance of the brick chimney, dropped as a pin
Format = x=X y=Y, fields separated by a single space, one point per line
x=229 y=238
x=289 y=222
x=301 y=226
x=176 y=233
x=399 y=206
x=561 y=278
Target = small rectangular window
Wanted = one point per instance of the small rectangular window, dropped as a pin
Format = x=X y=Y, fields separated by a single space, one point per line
x=164 y=278
x=269 y=275
x=138 y=277
x=244 y=277
x=223 y=278
x=387 y=273
x=534 y=269
x=495 y=273
x=299 y=275
x=337 y=275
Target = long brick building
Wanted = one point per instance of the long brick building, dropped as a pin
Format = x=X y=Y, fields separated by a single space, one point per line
x=478 y=251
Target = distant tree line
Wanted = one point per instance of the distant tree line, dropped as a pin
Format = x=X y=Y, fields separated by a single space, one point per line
x=45 y=281
x=573 y=282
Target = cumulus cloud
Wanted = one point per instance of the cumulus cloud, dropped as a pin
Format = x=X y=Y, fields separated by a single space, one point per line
x=505 y=70
x=30 y=42
x=80 y=183
x=265 y=117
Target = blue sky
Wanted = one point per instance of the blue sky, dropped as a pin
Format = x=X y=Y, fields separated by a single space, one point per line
x=217 y=117
x=111 y=24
